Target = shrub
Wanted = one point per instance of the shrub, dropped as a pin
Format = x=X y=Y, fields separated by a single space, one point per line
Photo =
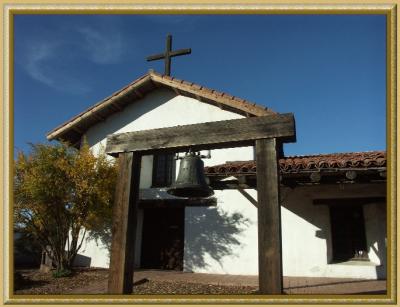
x=62 y=273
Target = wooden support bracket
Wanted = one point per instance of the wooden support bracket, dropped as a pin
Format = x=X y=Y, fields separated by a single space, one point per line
x=248 y=196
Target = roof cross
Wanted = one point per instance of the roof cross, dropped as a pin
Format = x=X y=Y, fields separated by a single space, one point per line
x=168 y=54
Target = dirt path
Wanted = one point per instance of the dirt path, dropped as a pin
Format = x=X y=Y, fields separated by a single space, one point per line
x=94 y=281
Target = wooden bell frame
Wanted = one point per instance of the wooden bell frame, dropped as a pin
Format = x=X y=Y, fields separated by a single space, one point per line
x=267 y=133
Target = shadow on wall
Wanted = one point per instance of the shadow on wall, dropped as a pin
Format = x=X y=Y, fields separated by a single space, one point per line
x=319 y=215
x=82 y=261
x=209 y=231
x=102 y=235
x=376 y=236
x=381 y=270
x=301 y=206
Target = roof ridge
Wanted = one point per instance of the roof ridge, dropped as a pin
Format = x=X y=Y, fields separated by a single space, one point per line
x=207 y=91
x=75 y=127
x=99 y=103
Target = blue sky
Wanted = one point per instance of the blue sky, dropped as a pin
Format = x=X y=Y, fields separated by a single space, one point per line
x=329 y=70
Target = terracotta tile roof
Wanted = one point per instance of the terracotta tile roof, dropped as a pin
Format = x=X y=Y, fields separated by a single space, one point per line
x=351 y=160
x=223 y=98
x=73 y=129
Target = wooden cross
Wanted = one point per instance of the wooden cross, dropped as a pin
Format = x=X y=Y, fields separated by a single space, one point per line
x=168 y=54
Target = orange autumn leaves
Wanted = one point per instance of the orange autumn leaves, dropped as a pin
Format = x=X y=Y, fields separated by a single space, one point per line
x=60 y=194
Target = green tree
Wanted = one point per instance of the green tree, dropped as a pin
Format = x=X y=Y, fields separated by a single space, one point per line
x=60 y=194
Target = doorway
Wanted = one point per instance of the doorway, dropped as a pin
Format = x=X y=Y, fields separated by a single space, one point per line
x=163 y=238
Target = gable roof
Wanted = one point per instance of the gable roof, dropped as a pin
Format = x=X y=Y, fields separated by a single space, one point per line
x=73 y=129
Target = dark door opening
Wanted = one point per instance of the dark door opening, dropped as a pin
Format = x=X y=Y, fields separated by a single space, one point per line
x=348 y=233
x=162 y=239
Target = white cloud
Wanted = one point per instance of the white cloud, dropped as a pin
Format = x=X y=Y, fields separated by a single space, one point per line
x=41 y=62
x=36 y=58
x=52 y=60
x=104 y=47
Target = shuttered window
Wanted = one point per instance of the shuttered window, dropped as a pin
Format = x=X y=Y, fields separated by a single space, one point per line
x=163 y=170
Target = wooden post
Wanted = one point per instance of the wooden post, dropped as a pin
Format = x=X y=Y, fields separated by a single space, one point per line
x=269 y=218
x=122 y=258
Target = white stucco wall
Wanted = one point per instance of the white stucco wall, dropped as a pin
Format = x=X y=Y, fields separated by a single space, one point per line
x=215 y=246
x=375 y=228
x=159 y=109
x=223 y=239
x=93 y=253
x=306 y=232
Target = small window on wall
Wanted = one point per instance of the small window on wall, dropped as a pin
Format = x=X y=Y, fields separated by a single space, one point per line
x=163 y=170
x=348 y=233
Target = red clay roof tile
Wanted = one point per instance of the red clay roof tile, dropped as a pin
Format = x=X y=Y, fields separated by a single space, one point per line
x=349 y=160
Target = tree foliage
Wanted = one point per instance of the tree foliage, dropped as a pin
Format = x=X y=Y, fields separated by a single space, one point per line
x=61 y=193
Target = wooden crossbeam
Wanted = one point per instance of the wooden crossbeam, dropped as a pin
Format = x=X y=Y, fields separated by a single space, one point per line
x=210 y=135
x=349 y=201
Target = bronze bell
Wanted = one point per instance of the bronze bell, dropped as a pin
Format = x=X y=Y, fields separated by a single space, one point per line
x=191 y=181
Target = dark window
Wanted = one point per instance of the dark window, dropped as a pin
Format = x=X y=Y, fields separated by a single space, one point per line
x=163 y=170
x=348 y=233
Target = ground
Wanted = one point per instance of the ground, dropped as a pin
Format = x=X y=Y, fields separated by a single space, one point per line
x=94 y=281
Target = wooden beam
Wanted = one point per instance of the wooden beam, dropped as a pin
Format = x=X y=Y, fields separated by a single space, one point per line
x=176 y=91
x=177 y=203
x=351 y=175
x=279 y=147
x=120 y=280
x=349 y=201
x=229 y=185
x=315 y=176
x=80 y=131
x=116 y=106
x=242 y=179
x=248 y=196
x=210 y=135
x=97 y=116
x=138 y=93
x=269 y=218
